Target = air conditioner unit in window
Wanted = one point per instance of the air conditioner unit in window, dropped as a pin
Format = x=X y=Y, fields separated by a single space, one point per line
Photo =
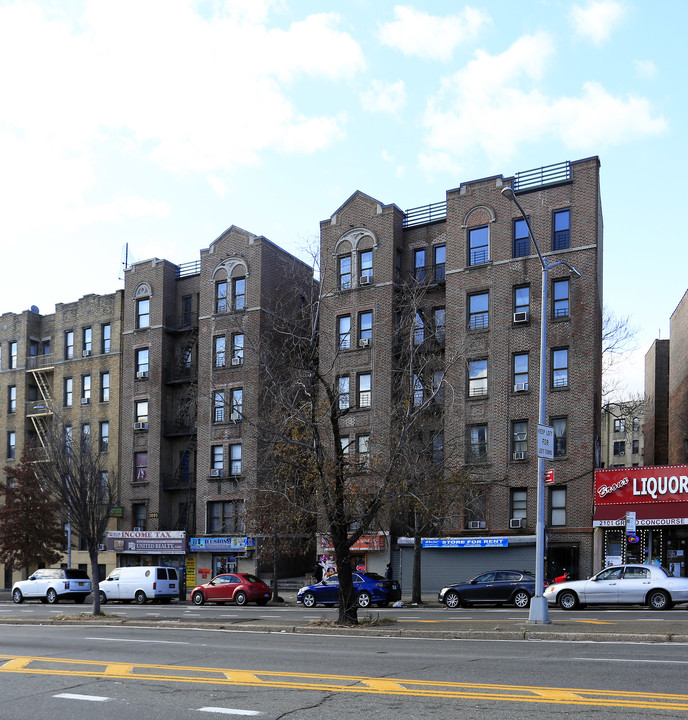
x=140 y=426
x=216 y=472
x=102 y=547
x=85 y=401
x=366 y=279
x=521 y=317
x=519 y=456
x=86 y=353
x=364 y=342
x=516 y=523
x=476 y=524
x=520 y=387
x=237 y=361
x=235 y=416
x=142 y=374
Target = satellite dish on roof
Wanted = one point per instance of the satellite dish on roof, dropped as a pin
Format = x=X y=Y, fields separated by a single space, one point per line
x=34 y=309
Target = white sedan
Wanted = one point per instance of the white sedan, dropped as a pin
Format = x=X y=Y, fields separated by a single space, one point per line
x=621 y=585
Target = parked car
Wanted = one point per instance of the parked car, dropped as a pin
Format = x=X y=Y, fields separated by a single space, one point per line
x=650 y=585
x=495 y=586
x=240 y=588
x=369 y=588
x=140 y=583
x=52 y=585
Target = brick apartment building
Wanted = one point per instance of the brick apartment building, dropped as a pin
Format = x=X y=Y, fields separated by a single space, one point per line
x=622 y=438
x=66 y=365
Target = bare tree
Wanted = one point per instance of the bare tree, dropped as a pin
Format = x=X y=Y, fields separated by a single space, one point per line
x=619 y=340
x=75 y=473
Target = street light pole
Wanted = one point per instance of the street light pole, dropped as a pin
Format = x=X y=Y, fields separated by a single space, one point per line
x=539 y=611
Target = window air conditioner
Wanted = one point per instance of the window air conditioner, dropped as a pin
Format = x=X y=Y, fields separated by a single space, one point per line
x=216 y=472
x=140 y=426
x=519 y=456
x=237 y=361
x=235 y=416
x=475 y=524
x=366 y=279
x=85 y=401
x=521 y=317
x=142 y=374
x=86 y=353
x=516 y=523
x=520 y=387
x=101 y=548
x=364 y=342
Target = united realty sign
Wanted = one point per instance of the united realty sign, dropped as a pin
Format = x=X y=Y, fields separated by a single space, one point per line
x=660 y=483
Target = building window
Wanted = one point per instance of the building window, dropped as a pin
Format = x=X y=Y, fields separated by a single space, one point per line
x=141 y=411
x=438 y=448
x=345 y=443
x=398 y=264
x=419 y=272
x=519 y=440
x=104 y=436
x=478 y=306
x=520 y=372
x=478 y=245
x=237 y=348
x=366 y=266
x=143 y=313
x=68 y=392
x=475 y=510
x=365 y=328
x=439 y=263
x=142 y=363
x=138 y=516
x=85 y=389
x=418 y=393
x=219 y=406
x=87 y=341
x=226 y=517
x=105 y=387
x=636 y=447
x=239 y=293
x=13 y=355
x=12 y=399
x=477 y=377
x=560 y=298
x=438 y=386
x=561 y=229
x=343 y=389
x=86 y=436
x=560 y=368
x=217 y=458
x=187 y=310
x=619 y=447
x=344 y=331
x=477 y=444
x=140 y=467
x=619 y=425
x=518 y=504
x=558 y=506
x=221 y=296
x=237 y=397
x=522 y=303
x=560 y=435
x=69 y=344
x=363 y=450
x=439 y=324
x=105 y=338
x=219 y=352
x=235 y=459
x=364 y=390
x=418 y=328
x=521 y=238
x=344 y=271
x=11 y=445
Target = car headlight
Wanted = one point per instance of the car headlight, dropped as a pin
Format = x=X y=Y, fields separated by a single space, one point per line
x=303 y=590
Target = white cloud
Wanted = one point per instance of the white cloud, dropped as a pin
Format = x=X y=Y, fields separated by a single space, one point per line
x=597 y=19
x=431 y=37
x=384 y=97
x=645 y=69
x=495 y=104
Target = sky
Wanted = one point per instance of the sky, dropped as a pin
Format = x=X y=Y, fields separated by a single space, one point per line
x=154 y=125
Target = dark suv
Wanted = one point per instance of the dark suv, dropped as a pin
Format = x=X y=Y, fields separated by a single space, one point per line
x=496 y=586
x=52 y=585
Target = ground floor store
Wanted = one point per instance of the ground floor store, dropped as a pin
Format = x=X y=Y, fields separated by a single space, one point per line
x=641 y=515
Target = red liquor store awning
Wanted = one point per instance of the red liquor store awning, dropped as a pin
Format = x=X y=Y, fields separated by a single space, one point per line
x=647 y=514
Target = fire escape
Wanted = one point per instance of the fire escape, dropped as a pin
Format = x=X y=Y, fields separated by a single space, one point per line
x=39 y=411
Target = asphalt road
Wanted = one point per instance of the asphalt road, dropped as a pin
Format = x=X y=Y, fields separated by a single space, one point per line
x=162 y=672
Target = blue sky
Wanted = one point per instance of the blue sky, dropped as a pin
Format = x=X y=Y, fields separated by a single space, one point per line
x=159 y=123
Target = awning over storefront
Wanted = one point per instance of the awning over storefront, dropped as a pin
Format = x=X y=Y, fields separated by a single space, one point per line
x=656 y=514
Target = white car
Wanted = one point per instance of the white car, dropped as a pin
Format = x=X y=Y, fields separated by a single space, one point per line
x=621 y=585
x=52 y=585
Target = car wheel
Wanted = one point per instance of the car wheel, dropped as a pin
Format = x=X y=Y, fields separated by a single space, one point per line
x=240 y=598
x=452 y=599
x=103 y=598
x=17 y=596
x=363 y=599
x=658 y=600
x=308 y=600
x=140 y=597
x=521 y=599
x=197 y=598
x=51 y=597
x=568 y=600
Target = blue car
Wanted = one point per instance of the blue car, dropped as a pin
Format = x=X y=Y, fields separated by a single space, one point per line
x=369 y=588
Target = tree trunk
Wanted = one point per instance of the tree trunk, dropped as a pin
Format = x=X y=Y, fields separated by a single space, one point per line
x=416 y=582
x=348 y=606
x=275 y=588
x=95 y=580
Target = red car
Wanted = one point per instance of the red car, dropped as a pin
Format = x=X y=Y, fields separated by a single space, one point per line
x=240 y=588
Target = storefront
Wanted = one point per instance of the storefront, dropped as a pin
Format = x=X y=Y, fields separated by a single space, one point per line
x=641 y=515
x=369 y=552
x=211 y=556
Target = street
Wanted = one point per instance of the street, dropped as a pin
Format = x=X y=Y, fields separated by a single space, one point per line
x=165 y=672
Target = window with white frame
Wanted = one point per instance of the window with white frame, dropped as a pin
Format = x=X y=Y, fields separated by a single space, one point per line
x=104 y=431
x=239 y=293
x=364 y=390
x=105 y=338
x=522 y=302
x=365 y=259
x=87 y=341
x=518 y=503
x=11 y=444
x=237 y=348
x=477 y=377
x=142 y=363
x=143 y=313
x=344 y=331
x=105 y=387
x=619 y=425
x=68 y=399
x=477 y=444
x=560 y=367
x=519 y=439
x=365 y=327
x=343 y=390
x=141 y=411
x=521 y=371
x=558 y=506
x=85 y=389
x=219 y=351
x=235 y=459
x=560 y=426
x=69 y=345
x=344 y=272
x=221 y=296
x=217 y=458
x=12 y=399
x=363 y=449
x=237 y=400
x=219 y=406
x=226 y=517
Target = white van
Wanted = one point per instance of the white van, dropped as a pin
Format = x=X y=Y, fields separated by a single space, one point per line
x=140 y=584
